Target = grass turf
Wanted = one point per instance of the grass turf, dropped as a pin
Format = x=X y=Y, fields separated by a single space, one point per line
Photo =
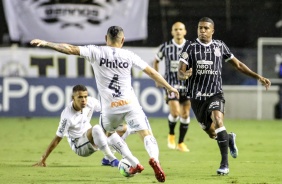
x=24 y=140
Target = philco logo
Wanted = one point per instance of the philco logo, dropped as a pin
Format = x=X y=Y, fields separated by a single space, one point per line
x=113 y=64
x=75 y=14
x=120 y=103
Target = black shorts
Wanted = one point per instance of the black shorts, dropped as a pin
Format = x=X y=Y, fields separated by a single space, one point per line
x=203 y=108
x=183 y=96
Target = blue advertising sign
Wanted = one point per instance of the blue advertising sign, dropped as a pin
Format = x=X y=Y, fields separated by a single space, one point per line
x=30 y=97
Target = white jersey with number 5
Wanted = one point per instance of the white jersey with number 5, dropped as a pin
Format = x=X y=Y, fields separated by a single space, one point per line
x=112 y=69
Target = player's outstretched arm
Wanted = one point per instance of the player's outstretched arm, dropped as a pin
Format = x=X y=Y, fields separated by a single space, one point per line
x=151 y=72
x=51 y=147
x=60 y=47
x=156 y=67
x=246 y=70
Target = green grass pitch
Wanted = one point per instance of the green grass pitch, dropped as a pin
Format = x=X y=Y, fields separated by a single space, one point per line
x=24 y=140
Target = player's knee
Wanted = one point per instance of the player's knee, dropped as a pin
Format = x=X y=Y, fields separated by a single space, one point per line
x=211 y=133
x=144 y=133
x=96 y=130
x=173 y=118
x=212 y=136
x=185 y=120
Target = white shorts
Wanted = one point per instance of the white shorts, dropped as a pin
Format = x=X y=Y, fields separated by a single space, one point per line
x=136 y=120
x=82 y=146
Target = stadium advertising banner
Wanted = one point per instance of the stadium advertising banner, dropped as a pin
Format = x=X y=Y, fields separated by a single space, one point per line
x=40 y=62
x=31 y=97
x=76 y=22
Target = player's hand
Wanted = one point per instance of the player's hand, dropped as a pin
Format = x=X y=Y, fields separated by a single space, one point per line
x=173 y=90
x=188 y=73
x=40 y=164
x=266 y=82
x=38 y=42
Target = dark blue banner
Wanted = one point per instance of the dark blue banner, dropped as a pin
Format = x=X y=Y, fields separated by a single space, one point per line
x=29 y=97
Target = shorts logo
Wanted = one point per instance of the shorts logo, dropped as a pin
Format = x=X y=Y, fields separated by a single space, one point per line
x=214 y=105
x=132 y=124
x=202 y=125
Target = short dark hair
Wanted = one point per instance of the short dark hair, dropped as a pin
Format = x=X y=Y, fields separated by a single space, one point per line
x=114 y=31
x=79 y=87
x=207 y=19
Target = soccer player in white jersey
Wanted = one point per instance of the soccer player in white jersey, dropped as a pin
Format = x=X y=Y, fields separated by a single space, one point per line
x=112 y=67
x=75 y=125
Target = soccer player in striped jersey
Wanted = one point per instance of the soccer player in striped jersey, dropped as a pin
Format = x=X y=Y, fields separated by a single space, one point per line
x=112 y=67
x=201 y=63
x=179 y=108
x=83 y=139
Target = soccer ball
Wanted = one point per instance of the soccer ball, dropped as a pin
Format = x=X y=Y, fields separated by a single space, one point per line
x=123 y=167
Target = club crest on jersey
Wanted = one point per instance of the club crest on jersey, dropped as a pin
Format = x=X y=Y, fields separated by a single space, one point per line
x=217 y=52
x=184 y=55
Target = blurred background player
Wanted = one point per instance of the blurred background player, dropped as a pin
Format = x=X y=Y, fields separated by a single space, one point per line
x=179 y=108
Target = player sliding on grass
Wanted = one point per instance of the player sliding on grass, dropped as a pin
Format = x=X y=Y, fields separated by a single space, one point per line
x=112 y=67
x=75 y=125
x=201 y=62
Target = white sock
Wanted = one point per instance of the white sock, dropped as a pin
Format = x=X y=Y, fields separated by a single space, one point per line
x=121 y=147
x=151 y=146
x=100 y=140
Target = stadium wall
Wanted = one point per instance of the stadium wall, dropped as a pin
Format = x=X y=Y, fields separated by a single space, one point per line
x=33 y=97
x=37 y=82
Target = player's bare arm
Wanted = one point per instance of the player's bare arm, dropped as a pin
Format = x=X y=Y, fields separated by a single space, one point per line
x=246 y=70
x=160 y=80
x=156 y=67
x=182 y=73
x=60 y=47
x=51 y=147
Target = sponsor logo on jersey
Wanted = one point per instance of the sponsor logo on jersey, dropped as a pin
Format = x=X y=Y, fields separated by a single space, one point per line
x=63 y=126
x=204 y=94
x=205 y=67
x=120 y=103
x=113 y=64
x=90 y=113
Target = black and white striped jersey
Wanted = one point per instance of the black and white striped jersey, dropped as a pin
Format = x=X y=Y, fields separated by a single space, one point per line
x=206 y=62
x=169 y=53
